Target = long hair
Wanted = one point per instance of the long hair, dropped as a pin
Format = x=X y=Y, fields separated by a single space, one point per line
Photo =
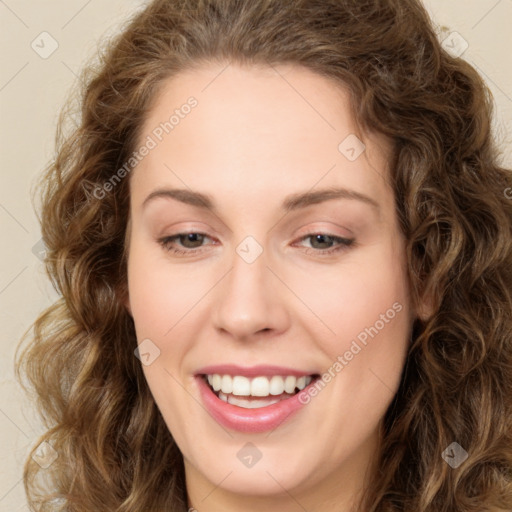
x=453 y=207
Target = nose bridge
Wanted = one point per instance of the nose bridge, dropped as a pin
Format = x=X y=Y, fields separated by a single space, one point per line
x=249 y=299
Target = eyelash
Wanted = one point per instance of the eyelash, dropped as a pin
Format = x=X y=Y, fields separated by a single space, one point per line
x=343 y=244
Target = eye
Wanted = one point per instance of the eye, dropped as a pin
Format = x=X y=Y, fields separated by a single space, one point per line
x=193 y=243
x=323 y=239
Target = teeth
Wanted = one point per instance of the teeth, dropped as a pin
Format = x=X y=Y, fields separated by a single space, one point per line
x=241 y=386
x=251 y=403
x=290 y=383
x=216 y=382
x=276 y=386
x=258 y=386
x=227 y=384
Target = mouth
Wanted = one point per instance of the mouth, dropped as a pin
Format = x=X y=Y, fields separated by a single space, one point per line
x=256 y=392
x=253 y=399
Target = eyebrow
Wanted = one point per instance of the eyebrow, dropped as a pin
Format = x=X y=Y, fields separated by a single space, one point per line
x=291 y=203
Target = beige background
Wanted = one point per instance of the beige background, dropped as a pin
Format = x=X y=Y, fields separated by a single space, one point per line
x=33 y=88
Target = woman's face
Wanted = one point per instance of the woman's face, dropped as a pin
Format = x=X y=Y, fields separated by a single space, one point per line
x=293 y=272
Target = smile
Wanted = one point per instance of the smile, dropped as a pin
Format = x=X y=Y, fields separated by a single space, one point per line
x=257 y=392
x=254 y=399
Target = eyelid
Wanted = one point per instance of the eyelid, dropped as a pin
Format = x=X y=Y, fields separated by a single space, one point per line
x=308 y=229
x=341 y=244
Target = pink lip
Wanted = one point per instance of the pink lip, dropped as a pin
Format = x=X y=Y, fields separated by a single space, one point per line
x=248 y=420
x=253 y=371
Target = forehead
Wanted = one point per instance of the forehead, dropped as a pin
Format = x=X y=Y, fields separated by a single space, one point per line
x=257 y=132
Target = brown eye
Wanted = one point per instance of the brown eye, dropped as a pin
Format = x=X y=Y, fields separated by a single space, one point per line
x=183 y=243
x=323 y=244
x=322 y=240
x=194 y=239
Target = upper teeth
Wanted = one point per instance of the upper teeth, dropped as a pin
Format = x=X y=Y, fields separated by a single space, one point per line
x=258 y=386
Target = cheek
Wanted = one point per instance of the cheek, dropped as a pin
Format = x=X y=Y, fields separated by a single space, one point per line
x=364 y=298
x=344 y=302
x=161 y=294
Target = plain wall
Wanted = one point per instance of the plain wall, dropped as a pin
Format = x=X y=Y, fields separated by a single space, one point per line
x=32 y=91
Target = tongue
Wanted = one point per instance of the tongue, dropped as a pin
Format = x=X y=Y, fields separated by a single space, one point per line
x=253 y=402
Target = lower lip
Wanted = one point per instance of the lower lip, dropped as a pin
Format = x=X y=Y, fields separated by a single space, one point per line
x=237 y=418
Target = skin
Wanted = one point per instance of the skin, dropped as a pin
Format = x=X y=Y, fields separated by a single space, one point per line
x=252 y=140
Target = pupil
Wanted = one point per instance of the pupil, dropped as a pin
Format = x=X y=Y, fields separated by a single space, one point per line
x=320 y=237
x=192 y=237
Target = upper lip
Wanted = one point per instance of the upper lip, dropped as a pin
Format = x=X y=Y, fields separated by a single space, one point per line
x=252 y=371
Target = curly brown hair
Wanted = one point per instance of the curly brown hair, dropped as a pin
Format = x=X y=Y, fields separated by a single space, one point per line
x=457 y=220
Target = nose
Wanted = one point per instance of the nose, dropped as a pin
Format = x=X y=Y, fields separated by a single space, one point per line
x=250 y=301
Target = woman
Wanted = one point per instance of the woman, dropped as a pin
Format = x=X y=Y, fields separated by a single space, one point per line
x=283 y=243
